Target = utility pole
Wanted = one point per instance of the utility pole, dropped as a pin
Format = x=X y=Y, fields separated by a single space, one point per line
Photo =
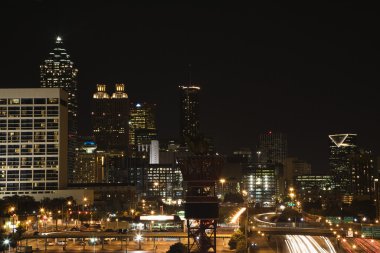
x=246 y=228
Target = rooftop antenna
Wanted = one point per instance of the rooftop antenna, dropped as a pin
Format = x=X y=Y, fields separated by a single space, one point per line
x=189 y=74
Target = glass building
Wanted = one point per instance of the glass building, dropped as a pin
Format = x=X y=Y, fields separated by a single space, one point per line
x=110 y=119
x=273 y=147
x=33 y=140
x=342 y=147
x=142 y=124
x=58 y=71
x=189 y=111
x=260 y=182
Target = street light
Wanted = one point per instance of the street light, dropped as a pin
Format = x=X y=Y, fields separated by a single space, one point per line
x=93 y=241
x=222 y=181
x=139 y=239
x=7 y=242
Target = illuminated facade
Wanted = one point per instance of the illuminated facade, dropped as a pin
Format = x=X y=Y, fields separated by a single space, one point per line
x=362 y=173
x=273 y=147
x=110 y=117
x=163 y=181
x=342 y=147
x=86 y=166
x=97 y=166
x=189 y=111
x=33 y=141
x=142 y=126
x=306 y=183
x=260 y=182
x=58 y=71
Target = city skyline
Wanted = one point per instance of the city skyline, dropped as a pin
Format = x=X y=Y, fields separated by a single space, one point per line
x=299 y=70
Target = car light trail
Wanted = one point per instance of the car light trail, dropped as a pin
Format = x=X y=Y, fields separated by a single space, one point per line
x=237 y=215
x=308 y=244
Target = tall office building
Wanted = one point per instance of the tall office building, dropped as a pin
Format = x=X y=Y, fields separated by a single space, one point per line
x=363 y=173
x=342 y=147
x=58 y=71
x=33 y=141
x=110 y=119
x=189 y=111
x=273 y=147
x=142 y=125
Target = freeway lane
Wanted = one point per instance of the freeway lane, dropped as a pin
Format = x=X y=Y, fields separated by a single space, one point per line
x=308 y=244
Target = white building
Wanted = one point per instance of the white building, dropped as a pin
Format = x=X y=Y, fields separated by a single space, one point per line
x=33 y=141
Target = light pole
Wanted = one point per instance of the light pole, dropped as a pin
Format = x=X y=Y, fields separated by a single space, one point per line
x=7 y=242
x=222 y=181
x=93 y=241
x=68 y=212
x=139 y=239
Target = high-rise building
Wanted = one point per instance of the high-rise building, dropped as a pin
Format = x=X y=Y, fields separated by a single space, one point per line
x=58 y=71
x=86 y=168
x=273 y=147
x=342 y=147
x=363 y=173
x=33 y=141
x=110 y=119
x=189 y=111
x=142 y=125
x=260 y=182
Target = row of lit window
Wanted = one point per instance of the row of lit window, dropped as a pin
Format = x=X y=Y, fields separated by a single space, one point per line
x=29 y=124
x=28 y=186
x=23 y=101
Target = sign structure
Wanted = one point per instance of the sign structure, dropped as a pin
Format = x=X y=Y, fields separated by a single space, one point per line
x=371 y=231
x=348 y=219
x=334 y=219
x=350 y=233
x=367 y=231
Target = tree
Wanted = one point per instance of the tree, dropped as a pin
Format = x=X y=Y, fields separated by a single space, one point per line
x=289 y=214
x=241 y=246
x=236 y=237
x=197 y=145
x=177 y=248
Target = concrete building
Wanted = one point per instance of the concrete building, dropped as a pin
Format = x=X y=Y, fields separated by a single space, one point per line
x=33 y=141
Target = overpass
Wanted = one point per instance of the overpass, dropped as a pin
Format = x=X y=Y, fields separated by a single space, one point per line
x=87 y=234
x=294 y=231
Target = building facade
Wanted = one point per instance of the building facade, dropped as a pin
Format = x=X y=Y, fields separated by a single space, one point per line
x=33 y=140
x=142 y=126
x=273 y=147
x=363 y=173
x=58 y=71
x=189 y=111
x=342 y=147
x=110 y=119
x=260 y=180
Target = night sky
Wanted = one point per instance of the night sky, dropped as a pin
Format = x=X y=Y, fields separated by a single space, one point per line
x=305 y=70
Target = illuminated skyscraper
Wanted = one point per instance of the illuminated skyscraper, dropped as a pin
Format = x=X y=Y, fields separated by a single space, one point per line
x=58 y=71
x=189 y=111
x=142 y=126
x=110 y=117
x=342 y=147
x=273 y=147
